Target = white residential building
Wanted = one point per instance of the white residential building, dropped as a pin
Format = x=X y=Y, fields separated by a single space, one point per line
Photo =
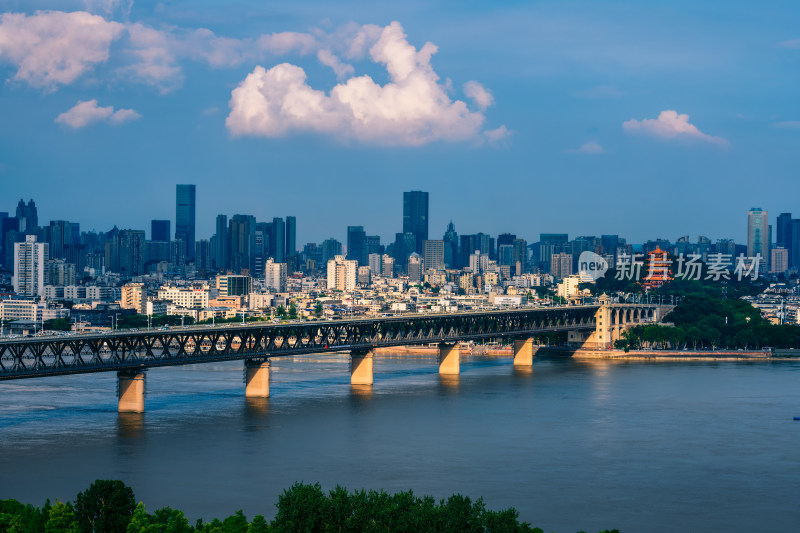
x=342 y=274
x=30 y=261
x=187 y=298
x=275 y=276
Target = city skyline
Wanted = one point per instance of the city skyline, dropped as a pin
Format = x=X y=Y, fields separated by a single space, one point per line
x=774 y=223
x=671 y=118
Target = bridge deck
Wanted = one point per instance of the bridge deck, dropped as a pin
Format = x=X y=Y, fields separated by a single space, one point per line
x=127 y=350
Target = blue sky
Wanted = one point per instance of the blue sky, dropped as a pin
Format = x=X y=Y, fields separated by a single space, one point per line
x=647 y=119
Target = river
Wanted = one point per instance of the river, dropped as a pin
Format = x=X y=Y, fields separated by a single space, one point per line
x=572 y=445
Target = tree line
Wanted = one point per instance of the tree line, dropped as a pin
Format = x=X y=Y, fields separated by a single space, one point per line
x=109 y=506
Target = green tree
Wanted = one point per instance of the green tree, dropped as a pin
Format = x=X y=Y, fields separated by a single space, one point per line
x=106 y=506
x=235 y=524
x=58 y=324
x=61 y=519
x=258 y=525
x=292 y=311
x=281 y=311
x=318 y=310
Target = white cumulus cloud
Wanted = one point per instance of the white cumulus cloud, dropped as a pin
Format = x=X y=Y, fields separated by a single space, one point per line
x=88 y=112
x=670 y=125
x=411 y=109
x=478 y=94
x=342 y=70
x=53 y=48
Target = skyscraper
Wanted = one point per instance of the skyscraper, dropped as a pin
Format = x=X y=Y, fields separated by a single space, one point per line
x=415 y=216
x=221 y=244
x=291 y=236
x=784 y=234
x=242 y=242
x=185 y=217
x=28 y=216
x=451 y=247
x=758 y=235
x=159 y=230
x=278 y=240
x=357 y=245
x=433 y=255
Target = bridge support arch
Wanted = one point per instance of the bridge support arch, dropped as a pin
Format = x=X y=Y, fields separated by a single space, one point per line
x=361 y=367
x=256 y=378
x=130 y=391
x=523 y=352
x=449 y=359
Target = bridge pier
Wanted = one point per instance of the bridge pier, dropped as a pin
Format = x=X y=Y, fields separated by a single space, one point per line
x=523 y=352
x=449 y=359
x=130 y=391
x=256 y=376
x=361 y=367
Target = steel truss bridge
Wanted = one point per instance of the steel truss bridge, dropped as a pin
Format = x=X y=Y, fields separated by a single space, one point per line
x=138 y=350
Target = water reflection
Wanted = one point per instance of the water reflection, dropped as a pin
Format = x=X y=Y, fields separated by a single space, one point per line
x=449 y=382
x=361 y=392
x=256 y=407
x=523 y=371
x=130 y=425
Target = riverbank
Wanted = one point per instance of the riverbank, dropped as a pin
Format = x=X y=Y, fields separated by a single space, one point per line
x=662 y=355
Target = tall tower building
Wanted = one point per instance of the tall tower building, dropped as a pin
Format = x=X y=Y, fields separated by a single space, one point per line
x=784 y=233
x=451 y=246
x=433 y=255
x=278 y=240
x=242 y=242
x=185 y=217
x=221 y=244
x=291 y=236
x=415 y=216
x=357 y=245
x=159 y=230
x=30 y=261
x=28 y=216
x=758 y=235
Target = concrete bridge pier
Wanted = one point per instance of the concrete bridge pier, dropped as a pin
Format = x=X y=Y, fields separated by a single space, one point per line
x=361 y=367
x=130 y=391
x=256 y=377
x=449 y=359
x=523 y=352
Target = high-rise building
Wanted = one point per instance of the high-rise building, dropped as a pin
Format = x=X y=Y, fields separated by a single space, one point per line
x=794 y=246
x=59 y=235
x=451 y=247
x=291 y=236
x=373 y=244
x=30 y=261
x=519 y=256
x=415 y=216
x=549 y=244
x=330 y=249
x=415 y=267
x=404 y=245
x=9 y=233
x=375 y=264
x=357 y=244
x=241 y=236
x=277 y=243
x=758 y=235
x=234 y=285
x=134 y=296
x=561 y=265
x=342 y=274
x=388 y=266
x=784 y=235
x=202 y=255
x=275 y=276
x=185 y=217
x=131 y=252
x=159 y=230
x=433 y=255
x=779 y=260
x=28 y=217
x=221 y=244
